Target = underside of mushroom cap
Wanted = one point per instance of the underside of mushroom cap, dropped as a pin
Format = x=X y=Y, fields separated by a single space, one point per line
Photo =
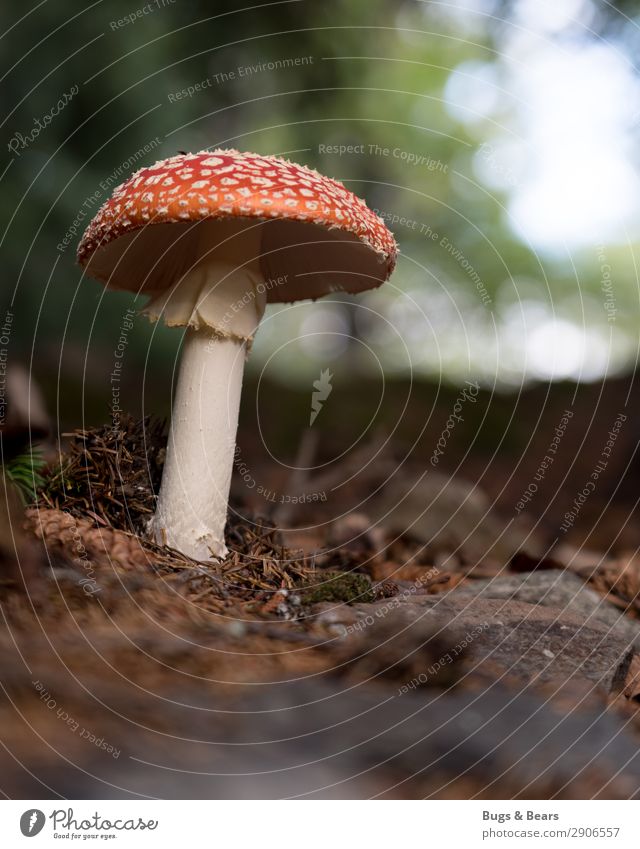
x=316 y=237
x=221 y=289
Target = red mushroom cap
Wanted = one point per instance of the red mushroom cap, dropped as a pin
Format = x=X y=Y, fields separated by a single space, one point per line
x=185 y=190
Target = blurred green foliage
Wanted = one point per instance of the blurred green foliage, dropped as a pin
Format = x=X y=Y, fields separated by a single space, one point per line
x=374 y=78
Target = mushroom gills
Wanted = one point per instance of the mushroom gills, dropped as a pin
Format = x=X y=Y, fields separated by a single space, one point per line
x=222 y=290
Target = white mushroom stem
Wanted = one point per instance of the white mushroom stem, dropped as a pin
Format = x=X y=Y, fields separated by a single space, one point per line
x=192 y=505
x=221 y=301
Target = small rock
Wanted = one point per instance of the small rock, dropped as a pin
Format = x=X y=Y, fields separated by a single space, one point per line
x=556 y=588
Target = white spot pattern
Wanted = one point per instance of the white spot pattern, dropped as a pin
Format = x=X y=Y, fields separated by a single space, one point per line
x=254 y=186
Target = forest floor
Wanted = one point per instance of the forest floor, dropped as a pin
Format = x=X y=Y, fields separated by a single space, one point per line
x=425 y=644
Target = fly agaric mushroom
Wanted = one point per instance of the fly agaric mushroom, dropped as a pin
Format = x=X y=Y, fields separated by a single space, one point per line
x=212 y=237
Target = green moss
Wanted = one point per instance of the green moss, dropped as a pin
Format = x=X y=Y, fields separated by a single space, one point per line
x=347 y=587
